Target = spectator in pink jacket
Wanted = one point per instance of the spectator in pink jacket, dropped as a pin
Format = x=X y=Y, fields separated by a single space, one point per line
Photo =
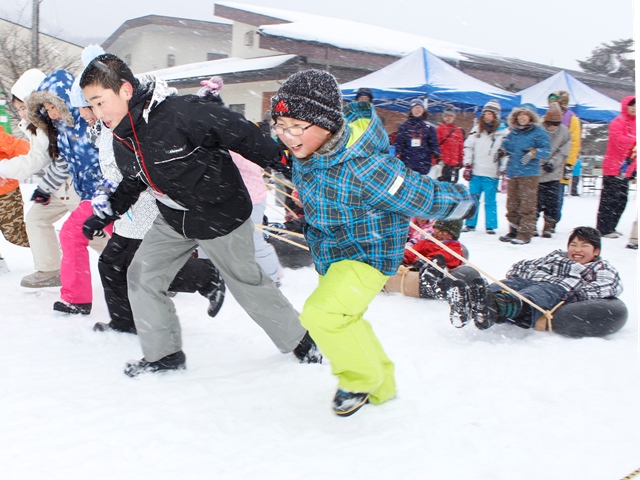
x=615 y=185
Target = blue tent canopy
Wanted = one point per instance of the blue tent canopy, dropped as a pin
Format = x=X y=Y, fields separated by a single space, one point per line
x=588 y=104
x=421 y=74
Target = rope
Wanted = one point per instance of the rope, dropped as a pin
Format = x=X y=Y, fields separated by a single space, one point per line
x=271 y=187
x=286 y=184
x=280 y=230
x=631 y=475
x=402 y=270
x=545 y=313
x=283 y=239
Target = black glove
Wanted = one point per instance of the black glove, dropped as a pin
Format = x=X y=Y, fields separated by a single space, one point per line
x=94 y=226
x=418 y=265
x=499 y=154
x=283 y=165
x=547 y=167
x=567 y=173
x=41 y=197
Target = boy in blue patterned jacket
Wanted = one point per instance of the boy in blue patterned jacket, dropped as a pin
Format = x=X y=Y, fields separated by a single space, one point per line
x=357 y=200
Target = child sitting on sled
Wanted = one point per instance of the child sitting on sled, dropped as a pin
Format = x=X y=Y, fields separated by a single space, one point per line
x=570 y=276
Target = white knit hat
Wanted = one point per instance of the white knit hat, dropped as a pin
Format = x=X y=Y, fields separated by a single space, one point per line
x=28 y=83
x=76 y=98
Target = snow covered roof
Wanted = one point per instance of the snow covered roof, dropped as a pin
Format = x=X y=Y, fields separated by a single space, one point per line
x=221 y=66
x=353 y=35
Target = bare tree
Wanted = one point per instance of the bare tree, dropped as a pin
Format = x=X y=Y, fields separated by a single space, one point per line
x=15 y=57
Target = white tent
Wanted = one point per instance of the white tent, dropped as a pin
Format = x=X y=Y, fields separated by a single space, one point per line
x=588 y=104
x=422 y=74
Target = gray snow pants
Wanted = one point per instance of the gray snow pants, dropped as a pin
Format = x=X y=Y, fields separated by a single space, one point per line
x=164 y=251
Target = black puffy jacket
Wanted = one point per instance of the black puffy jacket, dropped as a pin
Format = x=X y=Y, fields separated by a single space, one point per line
x=182 y=152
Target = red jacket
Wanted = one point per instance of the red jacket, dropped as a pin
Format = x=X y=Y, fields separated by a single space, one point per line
x=430 y=249
x=622 y=137
x=451 y=140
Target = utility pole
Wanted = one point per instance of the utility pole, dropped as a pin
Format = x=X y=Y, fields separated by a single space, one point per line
x=35 y=26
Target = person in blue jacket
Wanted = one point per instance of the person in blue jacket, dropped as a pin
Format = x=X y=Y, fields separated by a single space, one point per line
x=357 y=200
x=526 y=145
x=417 y=142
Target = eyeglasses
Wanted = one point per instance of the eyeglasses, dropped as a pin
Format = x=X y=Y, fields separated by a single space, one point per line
x=293 y=131
x=551 y=124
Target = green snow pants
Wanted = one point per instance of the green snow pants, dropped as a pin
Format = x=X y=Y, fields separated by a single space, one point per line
x=333 y=315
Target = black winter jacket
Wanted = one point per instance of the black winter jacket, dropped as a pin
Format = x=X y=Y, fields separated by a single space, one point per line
x=182 y=151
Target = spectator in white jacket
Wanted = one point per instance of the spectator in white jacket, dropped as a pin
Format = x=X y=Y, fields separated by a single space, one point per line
x=482 y=165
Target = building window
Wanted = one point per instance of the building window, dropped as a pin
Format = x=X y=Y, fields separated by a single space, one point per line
x=127 y=59
x=237 y=107
x=248 y=38
x=215 y=56
x=171 y=60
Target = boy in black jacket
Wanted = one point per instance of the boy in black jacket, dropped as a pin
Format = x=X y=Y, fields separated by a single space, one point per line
x=178 y=147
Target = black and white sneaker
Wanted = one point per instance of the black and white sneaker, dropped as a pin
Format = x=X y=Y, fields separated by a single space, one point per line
x=482 y=304
x=175 y=361
x=348 y=403
x=72 y=308
x=429 y=286
x=457 y=295
x=307 y=351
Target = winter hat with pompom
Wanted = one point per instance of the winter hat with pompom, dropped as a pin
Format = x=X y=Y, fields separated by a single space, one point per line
x=492 y=106
x=211 y=86
x=311 y=96
x=88 y=54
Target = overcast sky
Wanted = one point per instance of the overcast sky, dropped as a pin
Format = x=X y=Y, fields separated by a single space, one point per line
x=552 y=32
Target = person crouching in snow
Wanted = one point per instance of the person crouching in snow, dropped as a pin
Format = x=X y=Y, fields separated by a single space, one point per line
x=357 y=200
x=575 y=275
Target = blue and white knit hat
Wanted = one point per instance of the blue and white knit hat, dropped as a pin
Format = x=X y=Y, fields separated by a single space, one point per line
x=88 y=54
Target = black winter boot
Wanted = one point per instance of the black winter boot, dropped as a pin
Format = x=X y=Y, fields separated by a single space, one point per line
x=483 y=305
x=72 y=308
x=307 y=351
x=429 y=286
x=175 y=361
x=215 y=293
x=457 y=294
x=513 y=233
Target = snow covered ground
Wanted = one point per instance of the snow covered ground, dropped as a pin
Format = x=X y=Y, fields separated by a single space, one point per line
x=483 y=405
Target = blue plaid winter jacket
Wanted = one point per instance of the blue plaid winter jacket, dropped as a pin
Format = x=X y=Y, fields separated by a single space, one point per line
x=358 y=199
